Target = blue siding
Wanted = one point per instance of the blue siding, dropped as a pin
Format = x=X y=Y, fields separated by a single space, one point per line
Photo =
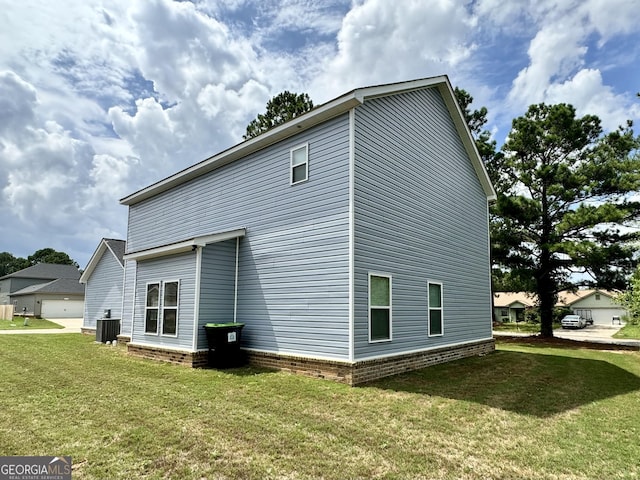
x=177 y=267
x=128 y=297
x=217 y=286
x=103 y=290
x=420 y=214
x=293 y=280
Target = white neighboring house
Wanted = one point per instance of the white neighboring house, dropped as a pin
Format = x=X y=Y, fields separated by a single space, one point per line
x=596 y=305
x=511 y=306
x=592 y=304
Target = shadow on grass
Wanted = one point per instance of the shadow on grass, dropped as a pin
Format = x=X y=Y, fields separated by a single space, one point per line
x=534 y=384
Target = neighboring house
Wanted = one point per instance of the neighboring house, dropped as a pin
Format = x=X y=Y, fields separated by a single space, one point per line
x=511 y=306
x=352 y=242
x=103 y=279
x=44 y=290
x=596 y=305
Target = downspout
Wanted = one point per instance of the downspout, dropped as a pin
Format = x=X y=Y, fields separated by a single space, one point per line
x=235 y=292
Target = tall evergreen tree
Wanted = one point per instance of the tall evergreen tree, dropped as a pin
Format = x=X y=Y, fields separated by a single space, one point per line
x=564 y=203
x=281 y=108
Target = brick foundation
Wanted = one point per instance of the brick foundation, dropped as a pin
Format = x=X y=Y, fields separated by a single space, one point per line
x=123 y=339
x=368 y=370
x=344 y=372
x=88 y=331
x=180 y=357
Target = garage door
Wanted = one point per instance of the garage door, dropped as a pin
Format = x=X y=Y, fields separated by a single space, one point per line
x=601 y=316
x=62 y=309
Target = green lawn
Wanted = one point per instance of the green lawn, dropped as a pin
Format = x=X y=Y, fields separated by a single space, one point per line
x=33 y=323
x=528 y=411
x=628 y=331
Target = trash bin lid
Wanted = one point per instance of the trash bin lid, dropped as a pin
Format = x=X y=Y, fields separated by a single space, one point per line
x=224 y=325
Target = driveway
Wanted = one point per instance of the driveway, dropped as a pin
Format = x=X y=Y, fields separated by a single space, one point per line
x=591 y=333
x=596 y=334
x=71 y=325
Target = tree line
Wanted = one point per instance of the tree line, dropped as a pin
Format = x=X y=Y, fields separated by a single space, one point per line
x=10 y=264
x=565 y=215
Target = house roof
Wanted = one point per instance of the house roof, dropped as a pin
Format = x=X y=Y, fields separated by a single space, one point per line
x=566 y=298
x=569 y=298
x=506 y=299
x=113 y=246
x=46 y=271
x=320 y=114
x=69 y=286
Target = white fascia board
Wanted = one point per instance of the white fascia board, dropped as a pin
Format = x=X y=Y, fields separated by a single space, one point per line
x=362 y=94
x=467 y=138
x=185 y=246
x=93 y=262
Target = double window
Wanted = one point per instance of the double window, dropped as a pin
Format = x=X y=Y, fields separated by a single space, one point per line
x=299 y=164
x=161 y=308
x=435 y=309
x=379 y=307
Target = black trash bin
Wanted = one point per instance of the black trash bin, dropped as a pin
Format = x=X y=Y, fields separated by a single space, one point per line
x=224 y=344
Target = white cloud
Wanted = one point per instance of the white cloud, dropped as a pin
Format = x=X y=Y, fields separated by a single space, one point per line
x=99 y=99
x=558 y=51
x=17 y=102
x=589 y=95
x=380 y=41
x=555 y=52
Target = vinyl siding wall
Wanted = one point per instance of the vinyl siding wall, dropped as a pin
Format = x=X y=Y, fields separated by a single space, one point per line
x=217 y=286
x=103 y=290
x=128 y=297
x=293 y=277
x=167 y=269
x=420 y=215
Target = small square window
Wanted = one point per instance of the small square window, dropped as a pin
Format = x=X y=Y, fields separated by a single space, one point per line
x=299 y=164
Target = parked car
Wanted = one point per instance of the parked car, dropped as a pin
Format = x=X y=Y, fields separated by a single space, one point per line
x=573 y=321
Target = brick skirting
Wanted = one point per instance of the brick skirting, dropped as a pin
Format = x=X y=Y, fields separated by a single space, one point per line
x=180 y=357
x=344 y=372
x=123 y=339
x=368 y=370
x=88 y=331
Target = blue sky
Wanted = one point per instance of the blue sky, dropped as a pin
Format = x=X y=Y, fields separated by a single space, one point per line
x=99 y=99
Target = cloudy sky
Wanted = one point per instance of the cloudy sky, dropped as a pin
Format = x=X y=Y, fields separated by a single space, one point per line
x=101 y=98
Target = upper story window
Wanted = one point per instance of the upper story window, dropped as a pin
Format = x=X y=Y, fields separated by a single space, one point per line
x=299 y=164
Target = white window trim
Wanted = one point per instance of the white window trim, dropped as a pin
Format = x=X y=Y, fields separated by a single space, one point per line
x=146 y=308
x=177 y=308
x=390 y=307
x=306 y=163
x=441 y=308
x=161 y=308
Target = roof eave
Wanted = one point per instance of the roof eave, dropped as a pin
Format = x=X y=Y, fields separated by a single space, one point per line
x=316 y=116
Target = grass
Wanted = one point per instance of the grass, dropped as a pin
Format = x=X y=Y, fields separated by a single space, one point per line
x=18 y=324
x=628 y=331
x=530 y=410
